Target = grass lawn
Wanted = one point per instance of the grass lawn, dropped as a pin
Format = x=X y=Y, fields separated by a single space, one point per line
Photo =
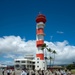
x=73 y=71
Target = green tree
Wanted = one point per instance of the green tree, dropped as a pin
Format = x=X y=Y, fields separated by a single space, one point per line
x=50 y=58
x=44 y=47
x=50 y=51
x=54 y=52
x=70 y=66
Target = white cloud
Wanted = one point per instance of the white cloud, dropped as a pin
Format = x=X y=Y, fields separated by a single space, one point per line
x=65 y=52
x=7 y=62
x=15 y=44
x=16 y=47
x=9 y=56
x=60 y=32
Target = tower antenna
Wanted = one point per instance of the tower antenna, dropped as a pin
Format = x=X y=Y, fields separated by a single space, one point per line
x=39 y=12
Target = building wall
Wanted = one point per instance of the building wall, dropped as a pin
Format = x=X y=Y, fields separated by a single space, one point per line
x=24 y=63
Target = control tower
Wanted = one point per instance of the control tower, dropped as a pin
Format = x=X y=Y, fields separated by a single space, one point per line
x=40 y=62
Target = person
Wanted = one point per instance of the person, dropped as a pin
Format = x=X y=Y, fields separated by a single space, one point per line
x=65 y=72
x=2 y=71
x=13 y=72
x=42 y=72
x=23 y=72
x=8 y=71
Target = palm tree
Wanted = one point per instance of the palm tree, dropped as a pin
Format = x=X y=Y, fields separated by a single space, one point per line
x=54 y=52
x=44 y=47
x=49 y=50
x=50 y=58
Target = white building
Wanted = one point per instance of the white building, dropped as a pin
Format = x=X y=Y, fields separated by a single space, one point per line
x=27 y=62
x=3 y=66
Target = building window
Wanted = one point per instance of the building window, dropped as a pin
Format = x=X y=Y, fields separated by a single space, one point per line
x=17 y=61
x=28 y=61
x=23 y=61
x=27 y=65
x=23 y=66
x=33 y=62
x=16 y=65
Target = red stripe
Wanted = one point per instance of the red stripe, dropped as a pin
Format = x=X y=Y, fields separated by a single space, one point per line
x=39 y=43
x=41 y=56
x=39 y=31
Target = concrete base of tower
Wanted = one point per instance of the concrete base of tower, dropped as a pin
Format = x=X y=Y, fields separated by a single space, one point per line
x=40 y=64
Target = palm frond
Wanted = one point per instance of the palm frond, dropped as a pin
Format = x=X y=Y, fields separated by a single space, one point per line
x=50 y=58
x=42 y=48
x=49 y=50
x=54 y=52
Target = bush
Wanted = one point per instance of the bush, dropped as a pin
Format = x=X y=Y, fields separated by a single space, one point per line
x=70 y=66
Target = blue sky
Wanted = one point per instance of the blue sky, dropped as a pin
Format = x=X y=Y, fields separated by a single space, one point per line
x=17 y=18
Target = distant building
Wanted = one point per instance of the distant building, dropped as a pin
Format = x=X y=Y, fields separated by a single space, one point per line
x=54 y=67
x=27 y=62
x=3 y=66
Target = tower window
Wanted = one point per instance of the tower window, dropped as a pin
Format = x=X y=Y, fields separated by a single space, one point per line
x=37 y=61
x=37 y=58
x=37 y=66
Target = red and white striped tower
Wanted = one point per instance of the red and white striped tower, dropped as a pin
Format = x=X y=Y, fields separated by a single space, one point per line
x=40 y=61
